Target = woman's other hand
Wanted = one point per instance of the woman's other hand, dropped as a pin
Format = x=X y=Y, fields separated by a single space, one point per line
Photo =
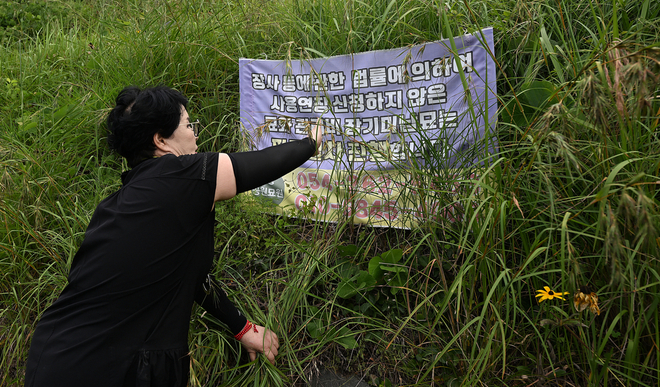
x=263 y=341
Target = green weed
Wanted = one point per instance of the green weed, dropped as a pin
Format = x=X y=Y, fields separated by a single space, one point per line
x=569 y=201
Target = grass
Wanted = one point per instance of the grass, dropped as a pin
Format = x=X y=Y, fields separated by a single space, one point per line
x=570 y=200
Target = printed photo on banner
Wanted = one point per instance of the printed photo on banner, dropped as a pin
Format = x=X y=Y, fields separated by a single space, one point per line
x=403 y=129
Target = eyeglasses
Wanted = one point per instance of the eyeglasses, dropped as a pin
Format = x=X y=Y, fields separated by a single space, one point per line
x=194 y=126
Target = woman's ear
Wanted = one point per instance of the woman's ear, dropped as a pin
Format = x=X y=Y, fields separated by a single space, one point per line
x=161 y=144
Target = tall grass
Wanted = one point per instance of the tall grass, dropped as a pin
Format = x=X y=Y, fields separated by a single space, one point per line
x=570 y=200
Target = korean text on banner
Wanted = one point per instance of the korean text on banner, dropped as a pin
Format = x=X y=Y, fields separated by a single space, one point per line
x=430 y=106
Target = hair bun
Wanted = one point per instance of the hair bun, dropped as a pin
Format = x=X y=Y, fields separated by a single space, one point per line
x=123 y=102
x=126 y=98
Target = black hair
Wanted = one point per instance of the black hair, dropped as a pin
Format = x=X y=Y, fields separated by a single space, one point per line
x=138 y=115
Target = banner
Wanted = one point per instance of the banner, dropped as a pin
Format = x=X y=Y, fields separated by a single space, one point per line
x=429 y=107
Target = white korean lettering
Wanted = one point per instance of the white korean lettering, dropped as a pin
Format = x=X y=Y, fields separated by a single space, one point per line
x=360 y=79
x=336 y=80
x=420 y=71
x=340 y=104
x=379 y=150
x=319 y=82
x=378 y=76
x=301 y=125
x=305 y=104
x=352 y=126
x=374 y=101
x=389 y=123
x=356 y=102
x=440 y=67
x=466 y=62
x=416 y=97
x=437 y=94
x=332 y=125
x=356 y=151
x=371 y=125
x=394 y=99
x=288 y=83
x=278 y=104
x=272 y=81
x=302 y=82
x=320 y=104
x=396 y=74
x=428 y=120
x=258 y=81
x=397 y=151
x=447 y=119
x=290 y=104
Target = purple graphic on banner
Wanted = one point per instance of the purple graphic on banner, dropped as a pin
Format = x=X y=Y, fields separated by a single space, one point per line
x=380 y=109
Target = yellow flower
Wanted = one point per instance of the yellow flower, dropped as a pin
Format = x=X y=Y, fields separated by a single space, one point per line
x=549 y=294
x=582 y=301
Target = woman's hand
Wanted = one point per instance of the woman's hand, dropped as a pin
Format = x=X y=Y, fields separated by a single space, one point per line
x=316 y=134
x=263 y=341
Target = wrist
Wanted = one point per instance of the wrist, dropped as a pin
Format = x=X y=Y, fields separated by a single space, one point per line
x=246 y=329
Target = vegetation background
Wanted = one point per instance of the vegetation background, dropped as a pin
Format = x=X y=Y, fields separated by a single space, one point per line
x=570 y=201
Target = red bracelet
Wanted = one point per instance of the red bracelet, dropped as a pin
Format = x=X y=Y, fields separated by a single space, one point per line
x=245 y=330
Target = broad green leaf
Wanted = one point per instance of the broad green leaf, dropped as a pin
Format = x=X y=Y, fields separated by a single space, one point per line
x=313 y=328
x=538 y=93
x=346 y=338
x=365 y=280
x=346 y=289
x=374 y=268
x=392 y=256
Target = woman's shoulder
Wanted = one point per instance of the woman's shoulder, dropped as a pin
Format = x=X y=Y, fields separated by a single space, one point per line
x=202 y=166
x=198 y=166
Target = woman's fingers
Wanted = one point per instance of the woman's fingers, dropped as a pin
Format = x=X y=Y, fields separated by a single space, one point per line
x=274 y=339
x=317 y=133
x=262 y=340
x=271 y=346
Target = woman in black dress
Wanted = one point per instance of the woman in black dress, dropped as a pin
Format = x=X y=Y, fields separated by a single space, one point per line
x=123 y=318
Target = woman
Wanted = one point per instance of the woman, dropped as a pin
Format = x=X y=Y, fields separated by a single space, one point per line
x=123 y=318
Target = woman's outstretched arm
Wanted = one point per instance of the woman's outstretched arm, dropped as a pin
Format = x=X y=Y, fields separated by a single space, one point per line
x=240 y=172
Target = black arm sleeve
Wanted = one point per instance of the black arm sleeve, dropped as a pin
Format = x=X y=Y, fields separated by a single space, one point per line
x=254 y=169
x=214 y=300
